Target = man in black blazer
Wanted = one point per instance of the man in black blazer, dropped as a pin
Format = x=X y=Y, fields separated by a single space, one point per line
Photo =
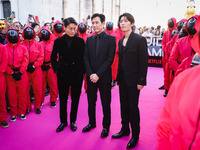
x=132 y=71
x=98 y=58
x=67 y=62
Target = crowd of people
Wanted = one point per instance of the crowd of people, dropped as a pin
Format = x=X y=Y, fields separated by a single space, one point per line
x=64 y=53
x=178 y=124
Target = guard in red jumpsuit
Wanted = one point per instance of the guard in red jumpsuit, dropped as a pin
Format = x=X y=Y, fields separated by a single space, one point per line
x=16 y=76
x=119 y=32
x=165 y=40
x=3 y=65
x=36 y=58
x=186 y=63
x=82 y=29
x=48 y=74
x=109 y=30
x=182 y=47
x=168 y=47
x=178 y=124
x=58 y=29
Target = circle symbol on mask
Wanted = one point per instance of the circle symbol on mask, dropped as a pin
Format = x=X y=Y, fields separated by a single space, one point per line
x=12 y=36
x=45 y=35
x=58 y=28
x=82 y=28
x=28 y=33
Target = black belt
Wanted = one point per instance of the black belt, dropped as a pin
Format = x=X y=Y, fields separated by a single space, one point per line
x=46 y=62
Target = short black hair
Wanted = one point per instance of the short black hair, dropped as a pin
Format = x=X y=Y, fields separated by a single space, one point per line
x=101 y=16
x=69 y=20
x=129 y=17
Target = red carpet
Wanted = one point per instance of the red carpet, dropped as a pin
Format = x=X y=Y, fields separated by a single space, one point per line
x=39 y=131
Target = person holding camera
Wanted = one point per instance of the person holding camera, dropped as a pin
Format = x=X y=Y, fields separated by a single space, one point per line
x=70 y=70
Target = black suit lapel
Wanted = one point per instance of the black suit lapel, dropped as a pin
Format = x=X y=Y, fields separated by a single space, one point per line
x=129 y=41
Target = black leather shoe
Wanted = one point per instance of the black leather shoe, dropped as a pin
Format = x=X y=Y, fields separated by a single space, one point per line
x=104 y=133
x=38 y=111
x=73 y=126
x=88 y=127
x=120 y=134
x=165 y=94
x=132 y=143
x=61 y=127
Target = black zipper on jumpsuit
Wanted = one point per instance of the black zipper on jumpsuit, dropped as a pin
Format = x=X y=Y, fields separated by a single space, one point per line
x=29 y=53
x=13 y=56
x=45 y=50
x=195 y=132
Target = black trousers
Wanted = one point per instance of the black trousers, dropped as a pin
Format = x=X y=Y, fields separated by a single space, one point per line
x=105 y=94
x=63 y=87
x=129 y=109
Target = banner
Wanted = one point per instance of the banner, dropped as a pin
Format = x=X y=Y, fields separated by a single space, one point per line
x=155 y=56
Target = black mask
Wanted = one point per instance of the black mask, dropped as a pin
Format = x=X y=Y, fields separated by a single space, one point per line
x=109 y=26
x=174 y=32
x=180 y=25
x=45 y=35
x=182 y=33
x=58 y=28
x=171 y=23
x=82 y=28
x=28 y=33
x=190 y=26
x=195 y=60
x=12 y=36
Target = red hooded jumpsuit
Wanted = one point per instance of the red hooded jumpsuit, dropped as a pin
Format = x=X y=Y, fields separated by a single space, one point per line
x=3 y=65
x=181 y=49
x=17 y=90
x=179 y=122
x=55 y=35
x=48 y=76
x=165 y=46
x=83 y=36
x=116 y=58
x=36 y=56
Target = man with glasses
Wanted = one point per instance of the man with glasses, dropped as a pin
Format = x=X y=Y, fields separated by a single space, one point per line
x=70 y=70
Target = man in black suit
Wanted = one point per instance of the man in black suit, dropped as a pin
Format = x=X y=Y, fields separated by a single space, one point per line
x=98 y=58
x=132 y=71
x=70 y=69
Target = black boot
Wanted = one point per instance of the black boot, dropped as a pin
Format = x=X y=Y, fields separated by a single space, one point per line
x=165 y=94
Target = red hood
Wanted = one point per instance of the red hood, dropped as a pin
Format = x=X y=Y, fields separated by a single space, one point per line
x=78 y=29
x=17 y=33
x=195 y=16
x=109 y=31
x=45 y=28
x=33 y=32
x=174 y=20
x=57 y=22
x=195 y=41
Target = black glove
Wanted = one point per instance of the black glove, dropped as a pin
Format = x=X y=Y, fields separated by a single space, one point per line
x=30 y=68
x=17 y=76
x=45 y=68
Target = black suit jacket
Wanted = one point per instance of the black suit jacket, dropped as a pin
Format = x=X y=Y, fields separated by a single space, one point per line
x=70 y=63
x=133 y=61
x=100 y=63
